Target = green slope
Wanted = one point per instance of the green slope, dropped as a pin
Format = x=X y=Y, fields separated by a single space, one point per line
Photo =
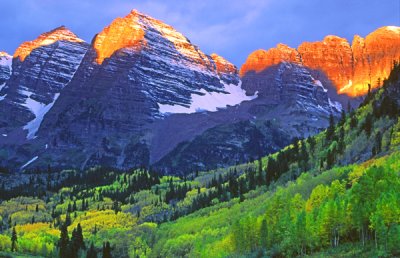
x=335 y=194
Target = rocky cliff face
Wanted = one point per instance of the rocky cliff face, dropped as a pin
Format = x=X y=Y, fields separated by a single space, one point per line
x=5 y=68
x=40 y=70
x=349 y=67
x=135 y=71
x=373 y=58
x=290 y=99
x=140 y=90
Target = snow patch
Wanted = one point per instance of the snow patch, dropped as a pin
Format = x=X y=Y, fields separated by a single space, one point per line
x=210 y=101
x=29 y=162
x=3 y=97
x=336 y=105
x=6 y=60
x=39 y=109
x=2 y=86
x=393 y=28
x=319 y=84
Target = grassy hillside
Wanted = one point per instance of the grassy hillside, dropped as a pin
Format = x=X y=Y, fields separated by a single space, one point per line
x=334 y=194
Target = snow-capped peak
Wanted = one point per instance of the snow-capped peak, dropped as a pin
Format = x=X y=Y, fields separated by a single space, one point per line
x=48 y=38
x=5 y=59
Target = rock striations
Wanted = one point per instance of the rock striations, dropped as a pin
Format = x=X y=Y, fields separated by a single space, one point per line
x=141 y=93
x=349 y=67
x=134 y=67
x=5 y=68
x=40 y=70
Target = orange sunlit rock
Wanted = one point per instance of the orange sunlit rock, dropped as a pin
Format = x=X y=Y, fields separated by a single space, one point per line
x=332 y=55
x=262 y=59
x=121 y=33
x=48 y=38
x=222 y=65
x=130 y=31
x=350 y=67
x=373 y=58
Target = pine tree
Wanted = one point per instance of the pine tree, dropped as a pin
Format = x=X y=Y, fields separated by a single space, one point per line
x=64 y=242
x=67 y=219
x=80 y=240
x=106 y=250
x=348 y=107
x=343 y=117
x=14 y=240
x=116 y=207
x=367 y=126
x=260 y=179
x=91 y=253
x=353 y=122
x=74 y=247
x=263 y=233
x=330 y=131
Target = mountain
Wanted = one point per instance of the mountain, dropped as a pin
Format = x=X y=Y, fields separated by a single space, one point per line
x=142 y=94
x=135 y=71
x=350 y=68
x=40 y=70
x=290 y=104
x=5 y=68
x=334 y=194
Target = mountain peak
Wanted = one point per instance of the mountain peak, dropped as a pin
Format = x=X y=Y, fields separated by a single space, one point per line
x=135 y=30
x=262 y=59
x=394 y=29
x=121 y=33
x=47 y=38
x=3 y=53
x=223 y=65
x=341 y=63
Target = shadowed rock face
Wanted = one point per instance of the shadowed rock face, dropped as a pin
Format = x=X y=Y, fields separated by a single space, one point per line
x=40 y=70
x=290 y=103
x=132 y=67
x=48 y=38
x=100 y=104
x=349 y=67
x=5 y=68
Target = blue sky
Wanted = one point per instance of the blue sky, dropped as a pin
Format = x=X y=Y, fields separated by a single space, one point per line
x=232 y=28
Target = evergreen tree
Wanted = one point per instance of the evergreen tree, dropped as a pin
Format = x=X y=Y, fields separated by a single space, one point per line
x=116 y=207
x=330 y=131
x=77 y=241
x=342 y=117
x=348 y=107
x=14 y=240
x=367 y=126
x=378 y=144
x=106 y=250
x=91 y=253
x=263 y=233
x=67 y=219
x=260 y=178
x=64 y=242
x=353 y=122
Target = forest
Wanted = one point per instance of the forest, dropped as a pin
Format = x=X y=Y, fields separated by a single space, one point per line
x=333 y=194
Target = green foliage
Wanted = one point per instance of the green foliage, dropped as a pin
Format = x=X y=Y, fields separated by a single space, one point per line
x=336 y=193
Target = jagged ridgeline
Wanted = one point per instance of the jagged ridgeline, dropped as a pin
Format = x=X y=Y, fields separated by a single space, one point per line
x=326 y=195
x=141 y=94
